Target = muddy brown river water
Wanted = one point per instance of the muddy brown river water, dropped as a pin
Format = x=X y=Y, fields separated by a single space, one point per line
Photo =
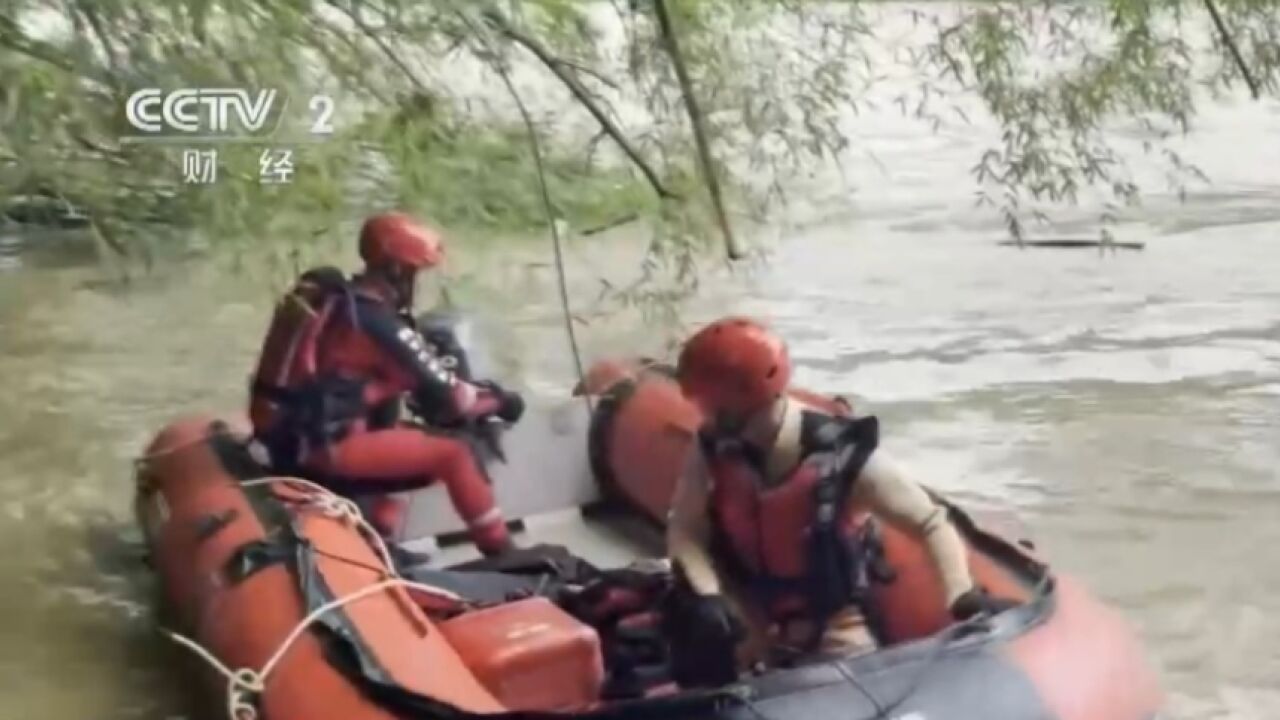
x=1126 y=406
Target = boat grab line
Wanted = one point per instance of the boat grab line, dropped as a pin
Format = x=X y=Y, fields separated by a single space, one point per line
x=244 y=682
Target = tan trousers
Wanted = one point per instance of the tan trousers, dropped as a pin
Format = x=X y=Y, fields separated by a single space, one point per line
x=846 y=635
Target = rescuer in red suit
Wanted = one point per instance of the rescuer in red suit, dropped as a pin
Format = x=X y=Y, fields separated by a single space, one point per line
x=339 y=357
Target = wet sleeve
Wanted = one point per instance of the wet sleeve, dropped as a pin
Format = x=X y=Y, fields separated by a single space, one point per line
x=434 y=385
x=887 y=491
x=689 y=527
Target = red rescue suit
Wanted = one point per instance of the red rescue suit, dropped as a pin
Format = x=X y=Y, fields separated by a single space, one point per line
x=335 y=363
x=798 y=544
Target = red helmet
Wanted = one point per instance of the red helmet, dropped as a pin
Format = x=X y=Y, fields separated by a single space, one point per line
x=734 y=365
x=396 y=239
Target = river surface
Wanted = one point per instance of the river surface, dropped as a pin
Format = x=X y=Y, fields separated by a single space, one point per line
x=1125 y=405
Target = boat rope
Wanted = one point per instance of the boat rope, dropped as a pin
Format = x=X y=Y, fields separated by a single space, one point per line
x=243 y=683
x=977 y=623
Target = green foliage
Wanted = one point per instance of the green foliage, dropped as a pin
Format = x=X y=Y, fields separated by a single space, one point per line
x=775 y=78
x=481 y=176
x=1122 y=58
x=64 y=118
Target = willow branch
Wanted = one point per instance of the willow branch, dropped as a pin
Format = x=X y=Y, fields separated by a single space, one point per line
x=315 y=29
x=589 y=72
x=1232 y=47
x=12 y=37
x=545 y=192
x=616 y=222
x=672 y=44
x=108 y=237
x=96 y=25
x=383 y=46
x=111 y=155
x=580 y=93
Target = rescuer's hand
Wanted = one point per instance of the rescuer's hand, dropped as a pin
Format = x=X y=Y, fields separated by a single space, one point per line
x=978 y=602
x=704 y=632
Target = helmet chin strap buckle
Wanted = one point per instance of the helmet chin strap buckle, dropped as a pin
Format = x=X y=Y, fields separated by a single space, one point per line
x=400 y=280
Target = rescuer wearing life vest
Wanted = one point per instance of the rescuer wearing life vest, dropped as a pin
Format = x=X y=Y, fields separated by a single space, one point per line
x=339 y=356
x=764 y=526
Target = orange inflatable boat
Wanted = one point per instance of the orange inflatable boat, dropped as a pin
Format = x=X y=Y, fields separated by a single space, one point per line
x=274 y=581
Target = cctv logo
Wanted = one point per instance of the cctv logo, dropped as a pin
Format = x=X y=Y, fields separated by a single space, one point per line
x=203 y=110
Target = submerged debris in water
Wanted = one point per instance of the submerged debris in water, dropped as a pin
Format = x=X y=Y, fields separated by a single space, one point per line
x=1066 y=243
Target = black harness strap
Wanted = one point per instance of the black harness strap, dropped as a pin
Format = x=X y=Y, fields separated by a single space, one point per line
x=318 y=400
x=840 y=568
x=837 y=563
x=275 y=393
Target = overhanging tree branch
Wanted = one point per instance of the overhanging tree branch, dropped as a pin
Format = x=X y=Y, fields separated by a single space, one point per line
x=12 y=37
x=382 y=45
x=104 y=38
x=312 y=39
x=672 y=45
x=544 y=191
x=1234 y=49
x=557 y=67
x=595 y=74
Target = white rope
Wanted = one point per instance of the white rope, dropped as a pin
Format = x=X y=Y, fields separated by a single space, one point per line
x=244 y=682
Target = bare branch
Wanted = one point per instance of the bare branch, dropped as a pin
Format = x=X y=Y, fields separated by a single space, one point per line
x=545 y=192
x=598 y=76
x=382 y=45
x=112 y=155
x=557 y=67
x=699 y=130
x=1230 y=42
x=616 y=222
x=95 y=23
x=318 y=26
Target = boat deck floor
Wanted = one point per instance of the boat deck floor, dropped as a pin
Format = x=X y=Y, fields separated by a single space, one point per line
x=610 y=541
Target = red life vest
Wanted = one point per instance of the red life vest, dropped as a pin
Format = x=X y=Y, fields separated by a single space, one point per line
x=797 y=543
x=287 y=364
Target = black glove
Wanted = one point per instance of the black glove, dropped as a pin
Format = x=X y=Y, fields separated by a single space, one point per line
x=704 y=633
x=978 y=602
x=713 y=618
x=510 y=402
x=512 y=407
